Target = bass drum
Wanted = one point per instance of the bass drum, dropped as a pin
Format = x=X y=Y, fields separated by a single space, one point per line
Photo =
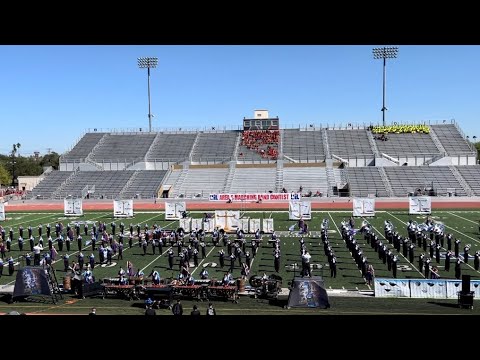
x=275 y=277
x=255 y=281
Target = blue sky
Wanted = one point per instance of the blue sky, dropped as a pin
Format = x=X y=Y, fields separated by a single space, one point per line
x=49 y=95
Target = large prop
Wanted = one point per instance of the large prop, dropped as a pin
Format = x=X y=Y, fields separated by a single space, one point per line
x=308 y=293
x=363 y=207
x=300 y=210
x=123 y=208
x=243 y=225
x=254 y=225
x=31 y=281
x=73 y=207
x=227 y=220
x=268 y=226
x=208 y=226
x=174 y=210
x=197 y=224
x=186 y=224
x=420 y=205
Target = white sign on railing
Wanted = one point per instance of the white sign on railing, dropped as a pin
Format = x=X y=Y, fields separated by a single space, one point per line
x=255 y=197
x=363 y=207
x=123 y=208
x=174 y=210
x=300 y=210
x=420 y=205
x=2 y=211
x=73 y=207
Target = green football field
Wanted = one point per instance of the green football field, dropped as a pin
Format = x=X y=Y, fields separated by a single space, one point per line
x=462 y=224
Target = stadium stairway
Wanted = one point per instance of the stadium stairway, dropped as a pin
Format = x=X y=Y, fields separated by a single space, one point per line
x=279 y=176
x=67 y=181
x=437 y=142
x=386 y=181
x=128 y=183
x=373 y=144
x=230 y=176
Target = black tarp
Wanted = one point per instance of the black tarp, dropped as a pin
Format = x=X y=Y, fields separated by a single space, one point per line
x=308 y=293
x=31 y=280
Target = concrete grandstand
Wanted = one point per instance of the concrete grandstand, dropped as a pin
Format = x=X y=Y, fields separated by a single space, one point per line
x=321 y=161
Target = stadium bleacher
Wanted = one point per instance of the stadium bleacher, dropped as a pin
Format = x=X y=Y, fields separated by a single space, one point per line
x=234 y=162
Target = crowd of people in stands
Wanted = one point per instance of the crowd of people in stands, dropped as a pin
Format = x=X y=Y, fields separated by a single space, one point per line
x=400 y=129
x=256 y=140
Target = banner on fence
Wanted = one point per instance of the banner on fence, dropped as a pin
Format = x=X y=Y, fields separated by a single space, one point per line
x=428 y=288
x=423 y=288
x=391 y=287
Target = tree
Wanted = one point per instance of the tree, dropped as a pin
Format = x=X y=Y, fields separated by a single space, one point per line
x=52 y=159
x=14 y=152
x=4 y=176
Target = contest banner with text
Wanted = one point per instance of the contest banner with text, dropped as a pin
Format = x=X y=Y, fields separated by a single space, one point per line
x=255 y=197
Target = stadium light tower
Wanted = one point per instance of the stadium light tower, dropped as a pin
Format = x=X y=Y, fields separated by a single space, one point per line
x=385 y=53
x=148 y=62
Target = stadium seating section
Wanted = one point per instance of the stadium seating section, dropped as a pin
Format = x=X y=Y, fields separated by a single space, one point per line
x=196 y=164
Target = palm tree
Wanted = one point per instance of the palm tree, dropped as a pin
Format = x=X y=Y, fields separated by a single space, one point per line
x=14 y=152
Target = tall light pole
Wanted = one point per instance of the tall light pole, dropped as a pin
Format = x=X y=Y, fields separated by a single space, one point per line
x=385 y=53
x=148 y=62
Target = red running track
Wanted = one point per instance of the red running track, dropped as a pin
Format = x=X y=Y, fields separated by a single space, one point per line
x=339 y=204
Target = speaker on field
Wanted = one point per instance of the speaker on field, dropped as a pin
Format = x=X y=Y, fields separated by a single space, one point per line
x=466 y=284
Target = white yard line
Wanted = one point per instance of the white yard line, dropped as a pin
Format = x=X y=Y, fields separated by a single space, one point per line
x=158 y=257
x=213 y=248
